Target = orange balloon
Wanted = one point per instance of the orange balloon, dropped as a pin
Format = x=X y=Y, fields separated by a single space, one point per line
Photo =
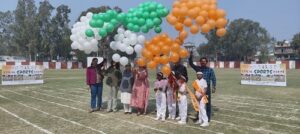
x=147 y=54
x=205 y=28
x=188 y=22
x=221 y=13
x=179 y=26
x=183 y=53
x=179 y=41
x=155 y=40
x=147 y=44
x=190 y=4
x=183 y=10
x=174 y=57
x=176 y=11
x=154 y=50
x=176 y=4
x=164 y=59
x=221 y=32
x=141 y=62
x=211 y=23
x=194 y=29
x=160 y=44
x=171 y=19
x=221 y=22
x=192 y=13
x=165 y=50
x=200 y=20
x=175 y=47
x=212 y=7
x=205 y=7
x=212 y=14
x=152 y=64
x=156 y=59
x=198 y=3
x=166 y=70
x=168 y=42
x=182 y=35
x=204 y=14
x=164 y=36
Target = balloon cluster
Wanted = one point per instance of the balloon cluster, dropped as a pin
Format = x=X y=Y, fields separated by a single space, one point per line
x=80 y=41
x=197 y=15
x=145 y=17
x=161 y=50
x=126 y=42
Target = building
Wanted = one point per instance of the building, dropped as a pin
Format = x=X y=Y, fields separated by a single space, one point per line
x=284 y=51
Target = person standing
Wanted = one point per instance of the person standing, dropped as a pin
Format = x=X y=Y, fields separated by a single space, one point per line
x=94 y=79
x=126 y=88
x=171 y=95
x=114 y=77
x=160 y=86
x=209 y=76
x=140 y=91
x=182 y=100
x=179 y=70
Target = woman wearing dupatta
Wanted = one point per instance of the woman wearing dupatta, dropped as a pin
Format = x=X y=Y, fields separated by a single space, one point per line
x=140 y=90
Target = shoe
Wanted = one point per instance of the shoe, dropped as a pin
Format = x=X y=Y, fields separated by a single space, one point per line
x=91 y=110
x=205 y=124
x=157 y=118
x=129 y=112
x=109 y=111
x=178 y=118
x=125 y=112
x=181 y=122
x=163 y=119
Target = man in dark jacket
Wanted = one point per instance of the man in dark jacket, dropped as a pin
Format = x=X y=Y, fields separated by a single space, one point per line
x=180 y=69
x=209 y=76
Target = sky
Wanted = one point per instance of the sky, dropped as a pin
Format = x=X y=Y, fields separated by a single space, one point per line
x=280 y=17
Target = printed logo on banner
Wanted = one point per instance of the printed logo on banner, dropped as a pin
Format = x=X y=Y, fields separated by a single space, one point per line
x=22 y=74
x=263 y=74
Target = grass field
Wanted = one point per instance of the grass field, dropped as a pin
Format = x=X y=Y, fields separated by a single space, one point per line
x=61 y=104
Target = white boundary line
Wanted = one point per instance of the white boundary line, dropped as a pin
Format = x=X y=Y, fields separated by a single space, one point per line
x=145 y=126
x=242 y=118
x=236 y=104
x=281 y=118
x=256 y=98
x=73 y=122
x=26 y=121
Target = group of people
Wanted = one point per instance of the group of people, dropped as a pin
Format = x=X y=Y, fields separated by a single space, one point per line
x=170 y=91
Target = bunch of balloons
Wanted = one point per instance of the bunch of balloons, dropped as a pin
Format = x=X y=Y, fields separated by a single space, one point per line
x=197 y=15
x=146 y=16
x=161 y=50
x=78 y=37
x=126 y=42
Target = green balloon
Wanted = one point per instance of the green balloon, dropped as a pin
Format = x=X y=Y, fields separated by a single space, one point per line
x=136 y=28
x=99 y=23
x=142 y=22
x=152 y=7
x=106 y=17
x=157 y=29
x=130 y=26
x=121 y=17
x=135 y=20
x=146 y=15
x=89 y=33
x=114 y=22
x=165 y=12
x=153 y=14
x=95 y=16
x=101 y=16
x=144 y=29
x=157 y=21
x=93 y=23
x=149 y=23
x=109 y=28
x=160 y=6
x=139 y=14
x=102 y=32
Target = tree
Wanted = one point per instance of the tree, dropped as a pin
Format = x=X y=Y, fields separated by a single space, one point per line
x=60 y=37
x=296 y=43
x=25 y=29
x=6 y=44
x=243 y=39
x=44 y=24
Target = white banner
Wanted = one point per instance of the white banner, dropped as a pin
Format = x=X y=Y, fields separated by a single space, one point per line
x=263 y=74
x=22 y=74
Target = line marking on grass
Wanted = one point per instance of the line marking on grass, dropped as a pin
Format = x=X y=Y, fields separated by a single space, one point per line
x=26 y=121
x=282 y=118
x=234 y=104
x=251 y=128
x=243 y=118
x=73 y=122
x=256 y=98
x=137 y=124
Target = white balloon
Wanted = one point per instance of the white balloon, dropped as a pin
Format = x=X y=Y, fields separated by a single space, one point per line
x=126 y=41
x=138 y=48
x=121 y=37
x=73 y=37
x=116 y=37
x=121 y=30
x=122 y=47
x=74 y=45
x=98 y=37
x=89 y=15
x=127 y=33
x=94 y=42
x=116 y=57
x=124 y=61
x=83 y=18
x=113 y=45
x=141 y=39
x=129 y=50
x=81 y=40
x=132 y=40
